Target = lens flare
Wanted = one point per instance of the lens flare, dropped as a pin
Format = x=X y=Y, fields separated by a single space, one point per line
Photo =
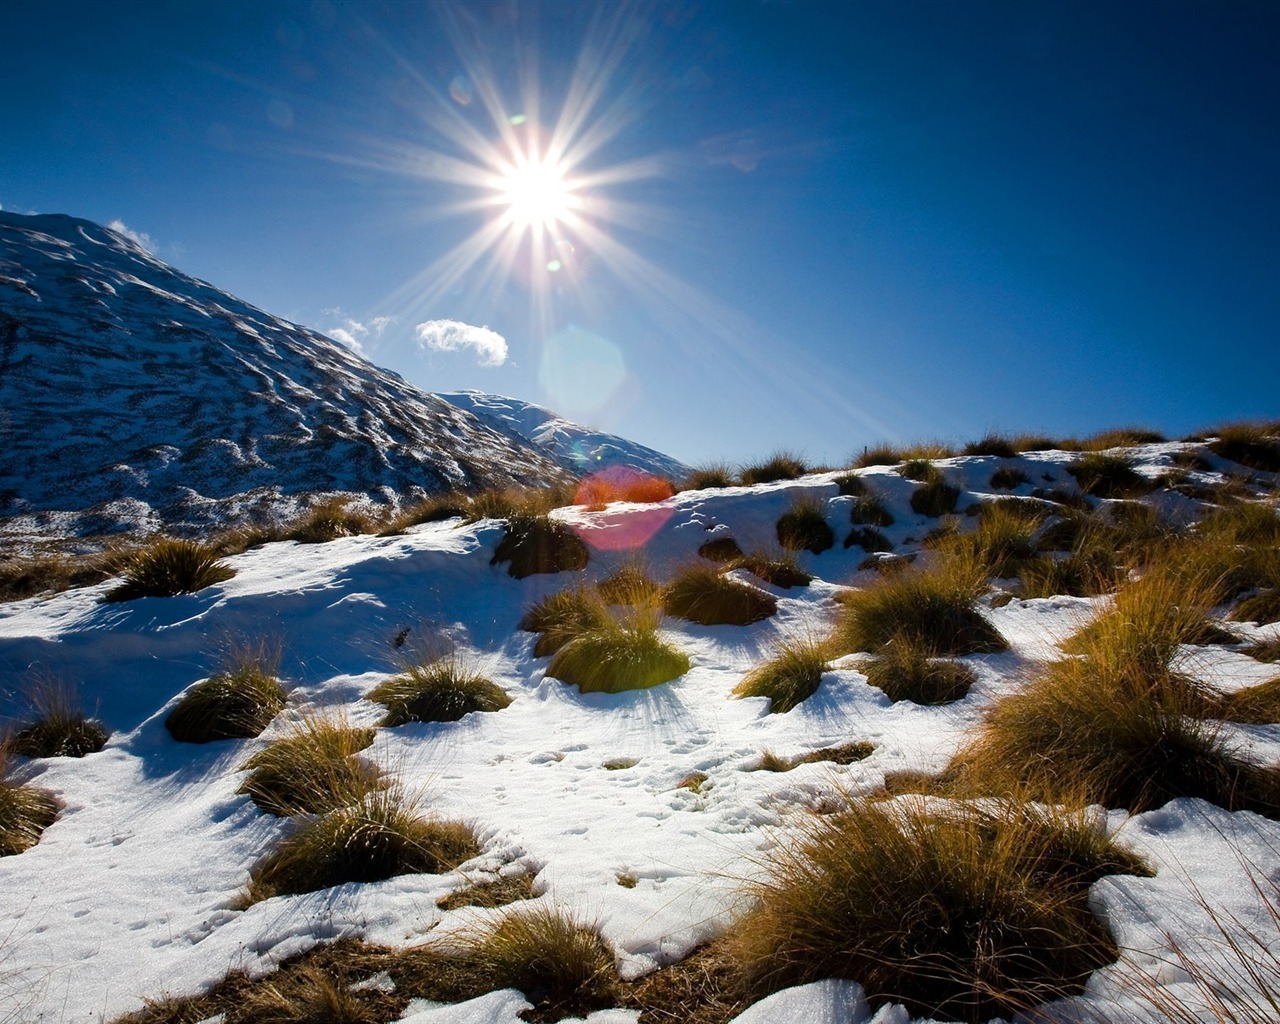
x=538 y=194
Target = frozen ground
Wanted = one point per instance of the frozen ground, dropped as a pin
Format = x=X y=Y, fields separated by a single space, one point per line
x=132 y=892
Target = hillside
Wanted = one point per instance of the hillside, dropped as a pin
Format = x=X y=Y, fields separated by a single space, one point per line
x=652 y=815
x=138 y=398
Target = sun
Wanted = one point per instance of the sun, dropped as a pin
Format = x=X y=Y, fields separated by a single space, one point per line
x=537 y=194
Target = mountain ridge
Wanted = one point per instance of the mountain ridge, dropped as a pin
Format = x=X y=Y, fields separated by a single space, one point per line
x=134 y=397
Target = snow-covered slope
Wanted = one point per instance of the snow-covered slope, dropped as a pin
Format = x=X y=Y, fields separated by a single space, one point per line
x=579 y=449
x=134 y=891
x=133 y=395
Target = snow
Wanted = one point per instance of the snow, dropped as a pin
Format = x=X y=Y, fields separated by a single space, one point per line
x=133 y=891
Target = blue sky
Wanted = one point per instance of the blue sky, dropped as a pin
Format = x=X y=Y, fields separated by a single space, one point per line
x=809 y=226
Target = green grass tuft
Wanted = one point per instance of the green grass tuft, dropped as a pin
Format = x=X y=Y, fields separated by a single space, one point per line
x=920 y=470
x=443 y=690
x=708 y=598
x=622 y=654
x=561 y=616
x=168 y=568
x=804 y=527
x=377 y=838
x=789 y=678
x=235 y=703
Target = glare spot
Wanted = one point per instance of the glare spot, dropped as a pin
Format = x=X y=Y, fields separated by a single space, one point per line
x=554 y=265
x=518 y=119
x=460 y=90
x=536 y=193
x=581 y=371
x=280 y=114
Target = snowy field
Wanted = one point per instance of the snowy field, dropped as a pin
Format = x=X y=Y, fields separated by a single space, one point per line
x=134 y=891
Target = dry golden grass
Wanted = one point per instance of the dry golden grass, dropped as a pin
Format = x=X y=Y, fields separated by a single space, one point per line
x=25 y=811
x=58 y=725
x=702 y=595
x=374 y=839
x=804 y=527
x=790 y=677
x=1003 y=541
x=953 y=912
x=167 y=568
x=311 y=769
x=906 y=671
x=779 y=466
x=328 y=521
x=539 y=544
x=443 y=690
x=237 y=702
x=846 y=753
x=934 y=610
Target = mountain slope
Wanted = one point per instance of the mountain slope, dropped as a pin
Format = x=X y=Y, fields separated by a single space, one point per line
x=579 y=449
x=133 y=395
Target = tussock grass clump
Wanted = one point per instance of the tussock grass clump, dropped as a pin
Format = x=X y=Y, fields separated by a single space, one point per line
x=708 y=598
x=168 y=568
x=999 y=445
x=846 y=753
x=790 y=677
x=561 y=616
x=935 y=498
x=25 y=811
x=625 y=653
x=496 y=893
x=518 y=502
x=325 y=985
x=708 y=477
x=1249 y=444
x=1254 y=705
x=328 y=521
x=1077 y=575
x=435 y=508
x=779 y=466
x=953 y=913
x=1109 y=476
x=933 y=610
x=1034 y=443
x=1121 y=437
x=311 y=770
x=878 y=455
x=539 y=544
x=1117 y=721
x=558 y=962
x=869 y=510
x=905 y=671
x=1006 y=478
x=620 y=483
x=869 y=539
x=60 y=729
x=1003 y=541
x=920 y=470
x=443 y=690
x=851 y=484
x=783 y=572
x=374 y=839
x=1264 y=650
x=28 y=575
x=236 y=703
x=804 y=527
x=1262 y=607
x=629 y=584
x=721 y=549
x=1125 y=741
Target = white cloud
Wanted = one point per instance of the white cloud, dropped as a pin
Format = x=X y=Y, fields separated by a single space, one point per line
x=347 y=338
x=137 y=237
x=352 y=331
x=454 y=335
